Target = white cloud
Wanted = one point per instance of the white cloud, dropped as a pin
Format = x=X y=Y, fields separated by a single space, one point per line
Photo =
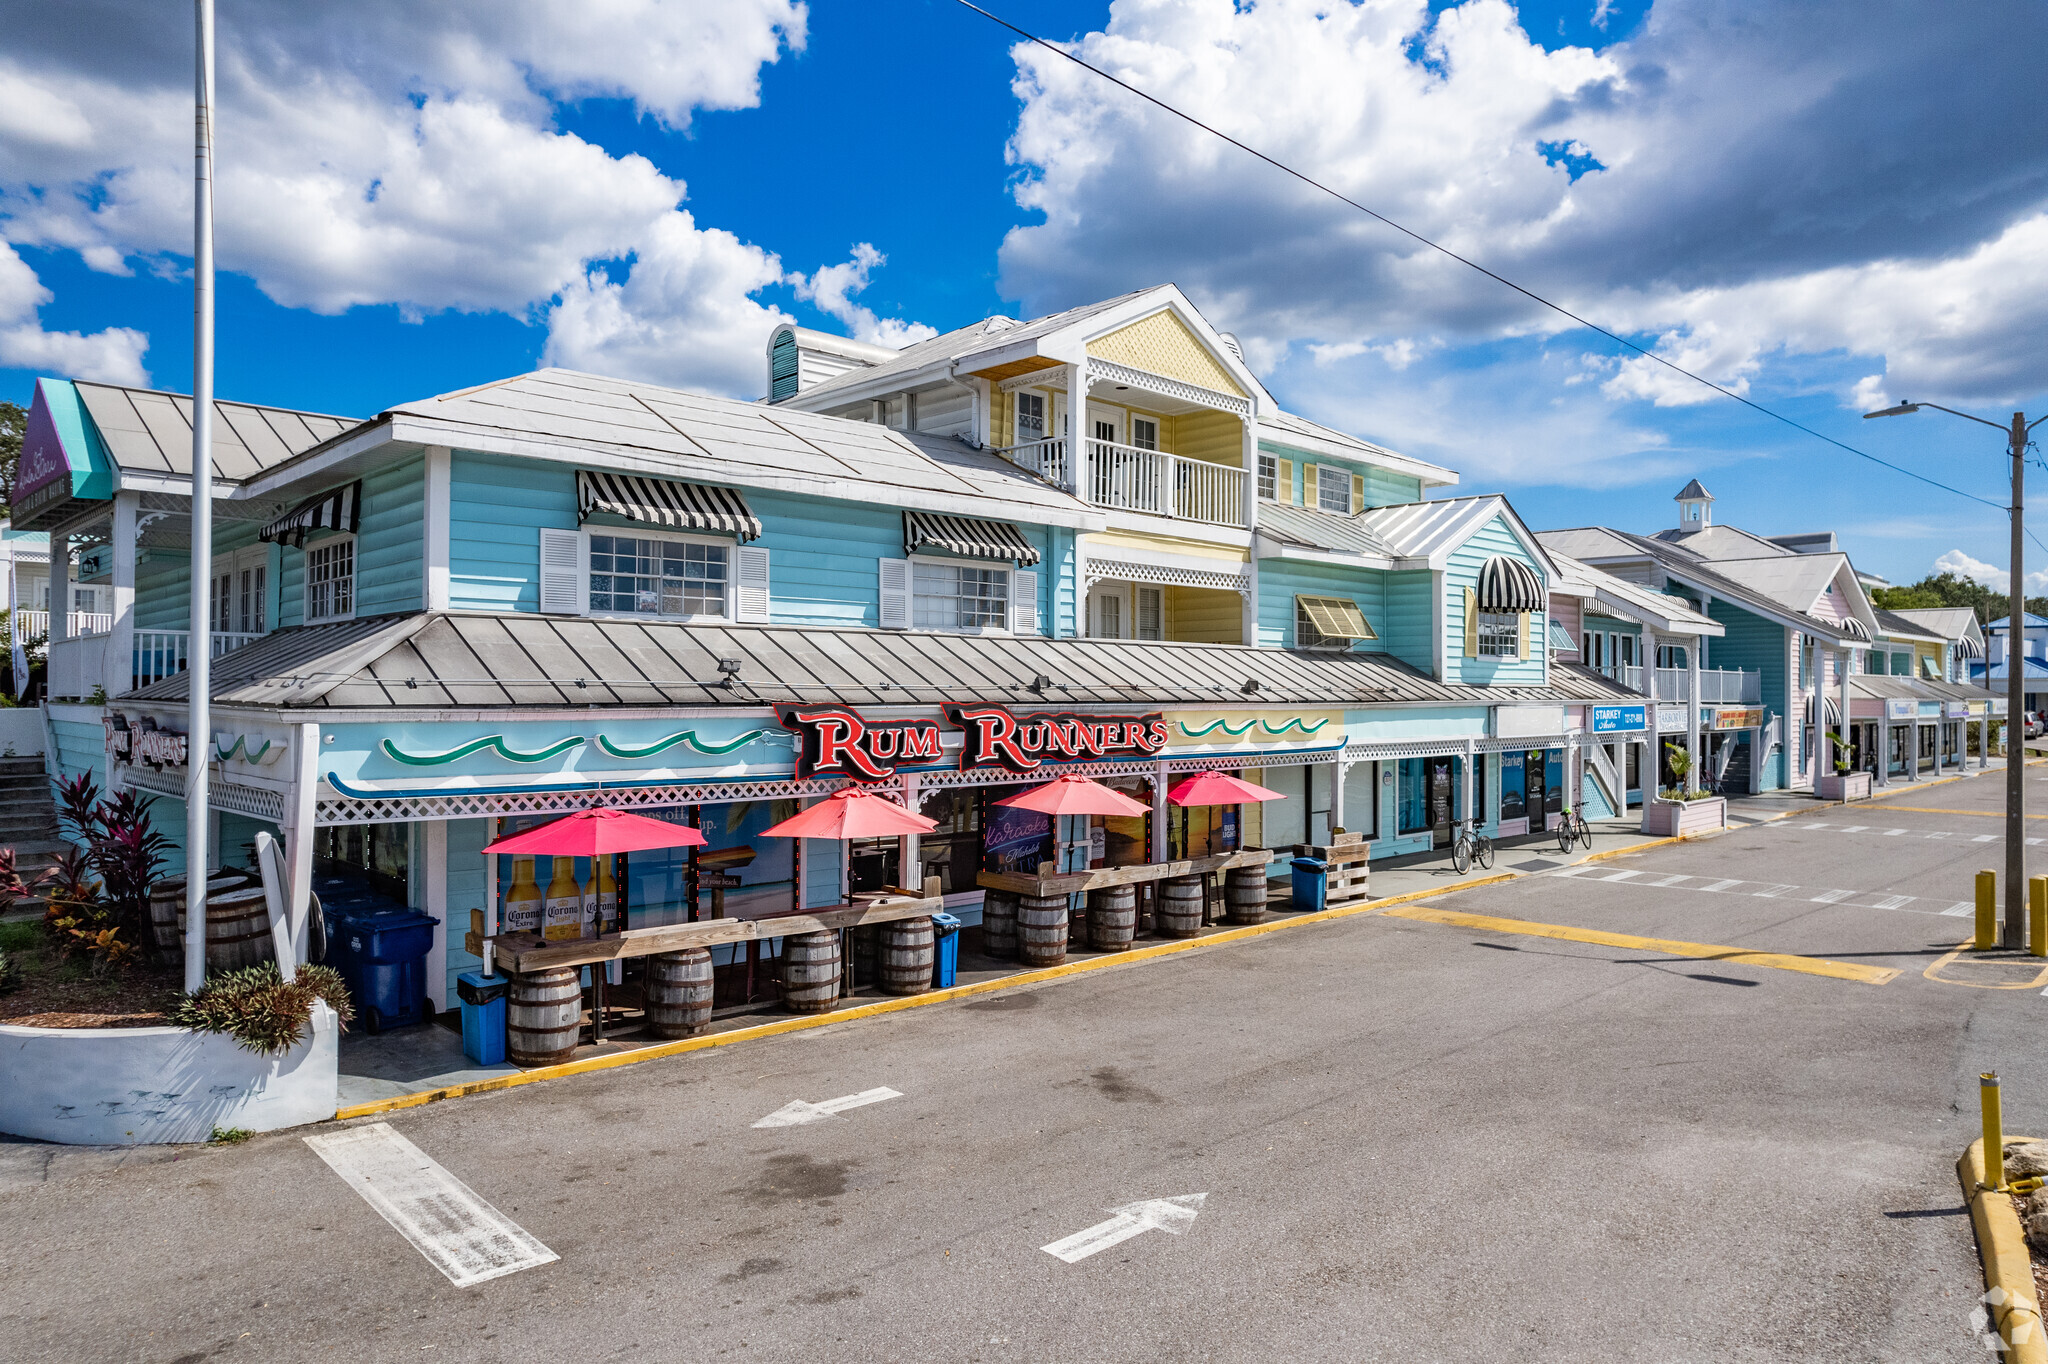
x=1744 y=214
x=831 y=287
x=112 y=356
x=1995 y=578
x=1869 y=394
x=387 y=152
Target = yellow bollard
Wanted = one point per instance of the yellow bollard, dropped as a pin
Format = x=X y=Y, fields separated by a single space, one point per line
x=2037 y=916
x=1987 y=911
x=1994 y=1133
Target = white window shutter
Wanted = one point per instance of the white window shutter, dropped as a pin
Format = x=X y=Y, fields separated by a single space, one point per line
x=564 y=583
x=750 y=573
x=895 y=594
x=1023 y=603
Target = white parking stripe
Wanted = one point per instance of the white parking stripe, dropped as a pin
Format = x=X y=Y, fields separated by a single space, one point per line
x=1772 y=892
x=1830 y=897
x=1960 y=908
x=1854 y=828
x=1620 y=875
x=1890 y=902
x=1670 y=880
x=1985 y=838
x=1721 y=885
x=461 y=1235
x=1893 y=833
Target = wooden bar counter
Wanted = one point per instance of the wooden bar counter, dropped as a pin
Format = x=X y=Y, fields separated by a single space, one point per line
x=524 y=952
x=1069 y=883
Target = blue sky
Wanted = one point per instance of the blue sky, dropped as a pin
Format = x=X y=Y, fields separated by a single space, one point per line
x=1826 y=208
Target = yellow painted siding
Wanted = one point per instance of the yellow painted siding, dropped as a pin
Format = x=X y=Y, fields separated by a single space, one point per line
x=1215 y=436
x=1200 y=615
x=1162 y=344
x=1117 y=544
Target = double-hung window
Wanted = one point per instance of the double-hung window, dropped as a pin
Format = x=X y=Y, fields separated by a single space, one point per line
x=1269 y=477
x=1144 y=433
x=241 y=593
x=1500 y=634
x=1333 y=490
x=331 y=579
x=959 y=596
x=1030 y=417
x=644 y=575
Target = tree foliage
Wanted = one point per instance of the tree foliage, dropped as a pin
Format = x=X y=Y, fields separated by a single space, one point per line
x=1948 y=589
x=13 y=426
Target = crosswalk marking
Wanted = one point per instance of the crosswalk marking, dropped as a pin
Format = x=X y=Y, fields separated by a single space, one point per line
x=1777 y=891
x=1893 y=833
x=1985 y=838
x=1620 y=875
x=1854 y=828
x=1772 y=892
x=1960 y=908
x=1721 y=885
x=1829 y=897
x=1891 y=902
x=460 y=1234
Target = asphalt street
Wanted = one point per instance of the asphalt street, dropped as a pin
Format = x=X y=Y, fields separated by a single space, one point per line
x=1416 y=1141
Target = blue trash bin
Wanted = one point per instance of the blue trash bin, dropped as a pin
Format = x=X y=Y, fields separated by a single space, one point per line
x=381 y=953
x=1311 y=883
x=946 y=958
x=483 y=1016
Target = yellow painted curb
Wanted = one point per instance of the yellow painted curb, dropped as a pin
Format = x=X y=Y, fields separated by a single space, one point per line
x=1968 y=944
x=2008 y=1269
x=1781 y=961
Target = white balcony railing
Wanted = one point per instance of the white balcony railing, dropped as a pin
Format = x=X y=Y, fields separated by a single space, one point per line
x=36 y=624
x=1151 y=481
x=1718 y=686
x=163 y=653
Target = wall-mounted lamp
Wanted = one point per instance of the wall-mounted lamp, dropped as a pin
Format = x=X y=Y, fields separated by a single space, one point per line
x=1250 y=687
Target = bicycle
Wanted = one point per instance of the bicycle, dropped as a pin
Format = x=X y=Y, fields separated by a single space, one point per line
x=1572 y=828
x=1471 y=847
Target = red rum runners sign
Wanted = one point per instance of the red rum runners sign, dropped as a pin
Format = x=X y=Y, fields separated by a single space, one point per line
x=837 y=741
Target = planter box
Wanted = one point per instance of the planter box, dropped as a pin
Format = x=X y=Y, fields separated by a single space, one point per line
x=1677 y=818
x=140 y=1086
x=1853 y=786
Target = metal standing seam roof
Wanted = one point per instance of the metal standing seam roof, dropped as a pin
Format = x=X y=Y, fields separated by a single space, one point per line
x=1425 y=530
x=1577 y=577
x=1946 y=622
x=148 y=431
x=1895 y=686
x=1312 y=529
x=437 y=660
x=1895 y=626
x=599 y=423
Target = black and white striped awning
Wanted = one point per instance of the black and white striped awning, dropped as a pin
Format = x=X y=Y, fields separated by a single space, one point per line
x=1852 y=627
x=966 y=535
x=666 y=502
x=1832 y=710
x=1969 y=648
x=339 y=509
x=1510 y=585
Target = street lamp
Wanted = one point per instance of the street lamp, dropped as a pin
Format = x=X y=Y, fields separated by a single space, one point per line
x=2015 y=680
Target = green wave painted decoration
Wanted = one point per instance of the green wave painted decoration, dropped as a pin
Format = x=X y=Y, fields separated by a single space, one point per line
x=1296 y=723
x=495 y=742
x=241 y=745
x=688 y=736
x=1213 y=725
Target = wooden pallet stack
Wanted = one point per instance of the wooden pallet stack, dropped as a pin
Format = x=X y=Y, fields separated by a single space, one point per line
x=1347 y=855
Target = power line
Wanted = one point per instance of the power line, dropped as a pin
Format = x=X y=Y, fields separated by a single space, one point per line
x=1530 y=294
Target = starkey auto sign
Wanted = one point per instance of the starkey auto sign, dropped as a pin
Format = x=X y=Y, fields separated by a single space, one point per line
x=839 y=741
x=1620 y=719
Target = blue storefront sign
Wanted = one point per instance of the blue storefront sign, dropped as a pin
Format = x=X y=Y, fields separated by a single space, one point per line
x=1620 y=719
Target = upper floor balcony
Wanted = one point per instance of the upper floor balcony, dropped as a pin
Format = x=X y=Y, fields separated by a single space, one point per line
x=87 y=664
x=1718 y=686
x=1130 y=478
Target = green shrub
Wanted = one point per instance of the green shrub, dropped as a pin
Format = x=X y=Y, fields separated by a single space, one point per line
x=229 y=1136
x=256 y=1008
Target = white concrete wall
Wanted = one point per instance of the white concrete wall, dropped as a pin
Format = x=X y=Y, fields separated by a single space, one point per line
x=21 y=731
x=143 y=1086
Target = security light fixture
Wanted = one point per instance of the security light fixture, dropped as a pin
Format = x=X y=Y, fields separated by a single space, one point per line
x=1901 y=410
x=1251 y=686
x=729 y=671
x=1040 y=682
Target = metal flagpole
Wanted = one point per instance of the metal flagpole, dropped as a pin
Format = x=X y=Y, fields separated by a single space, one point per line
x=198 y=724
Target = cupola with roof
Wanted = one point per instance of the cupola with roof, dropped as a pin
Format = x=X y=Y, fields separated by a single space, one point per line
x=1695 y=507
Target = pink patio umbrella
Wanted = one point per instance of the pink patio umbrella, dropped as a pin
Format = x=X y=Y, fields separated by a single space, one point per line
x=1071 y=795
x=1218 y=788
x=852 y=812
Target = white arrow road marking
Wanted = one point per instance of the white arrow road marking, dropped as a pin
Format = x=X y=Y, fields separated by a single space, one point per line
x=797 y=1112
x=1170 y=1215
x=461 y=1235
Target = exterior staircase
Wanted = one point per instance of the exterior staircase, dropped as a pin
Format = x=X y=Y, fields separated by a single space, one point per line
x=1735 y=776
x=28 y=816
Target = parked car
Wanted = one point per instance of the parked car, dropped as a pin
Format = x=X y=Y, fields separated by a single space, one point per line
x=2034 y=726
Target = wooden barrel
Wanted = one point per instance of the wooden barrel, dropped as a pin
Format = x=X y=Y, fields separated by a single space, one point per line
x=1112 y=918
x=1244 y=895
x=167 y=903
x=544 y=1015
x=1180 y=908
x=810 y=972
x=999 y=925
x=1042 y=930
x=237 y=929
x=677 y=988
x=909 y=956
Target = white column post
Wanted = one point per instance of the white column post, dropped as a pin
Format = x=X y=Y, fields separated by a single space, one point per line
x=1692 y=710
x=1842 y=720
x=1249 y=631
x=1465 y=786
x=60 y=589
x=121 y=645
x=1080 y=479
x=1337 y=770
x=434 y=903
x=909 y=867
x=435 y=532
x=298 y=813
x=1160 y=812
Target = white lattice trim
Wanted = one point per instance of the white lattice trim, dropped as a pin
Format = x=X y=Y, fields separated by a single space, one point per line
x=1052 y=377
x=1128 y=570
x=254 y=801
x=1186 y=392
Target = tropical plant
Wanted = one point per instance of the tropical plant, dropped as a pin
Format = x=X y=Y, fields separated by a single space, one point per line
x=259 y=1009
x=121 y=853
